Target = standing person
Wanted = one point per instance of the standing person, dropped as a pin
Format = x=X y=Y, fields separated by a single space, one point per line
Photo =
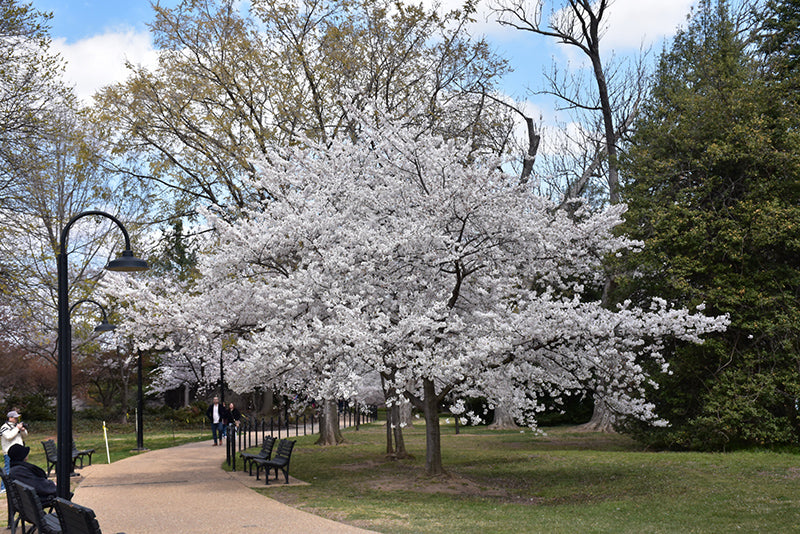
x=30 y=474
x=234 y=417
x=217 y=414
x=11 y=433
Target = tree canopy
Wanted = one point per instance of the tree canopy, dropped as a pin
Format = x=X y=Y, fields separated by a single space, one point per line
x=397 y=254
x=713 y=183
x=229 y=84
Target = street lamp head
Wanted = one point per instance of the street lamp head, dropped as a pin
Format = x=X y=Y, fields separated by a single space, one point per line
x=105 y=326
x=127 y=263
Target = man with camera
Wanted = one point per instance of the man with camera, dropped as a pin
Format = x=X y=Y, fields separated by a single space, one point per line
x=11 y=433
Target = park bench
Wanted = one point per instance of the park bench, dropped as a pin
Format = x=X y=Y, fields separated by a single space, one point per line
x=80 y=454
x=51 y=455
x=14 y=504
x=76 y=519
x=264 y=454
x=280 y=461
x=31 y=511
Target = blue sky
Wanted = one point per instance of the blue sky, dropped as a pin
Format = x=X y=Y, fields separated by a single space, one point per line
x=97 y=36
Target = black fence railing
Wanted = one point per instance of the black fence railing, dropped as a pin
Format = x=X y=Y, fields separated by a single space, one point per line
x=252 y=430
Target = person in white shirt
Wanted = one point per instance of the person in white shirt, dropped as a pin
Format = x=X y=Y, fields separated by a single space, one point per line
x=11 y=433
x=217 y=415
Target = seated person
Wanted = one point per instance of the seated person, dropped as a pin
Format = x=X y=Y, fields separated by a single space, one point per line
x=30 y=474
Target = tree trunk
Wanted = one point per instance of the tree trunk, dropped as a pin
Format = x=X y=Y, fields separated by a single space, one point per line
x=405 y=415
x=397 y=431
x=502 y=420
x=395 y=413
x=602 y=419
x=433 y=436
x=389 y=438
x=329 y=433
x=533 y=148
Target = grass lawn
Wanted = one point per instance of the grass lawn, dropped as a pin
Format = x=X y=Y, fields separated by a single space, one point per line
x=515 y=482
x=564 y=482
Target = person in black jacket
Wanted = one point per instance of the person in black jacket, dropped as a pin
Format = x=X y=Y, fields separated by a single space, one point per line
x=234 y=415
x=217 y=414
x=30 y=474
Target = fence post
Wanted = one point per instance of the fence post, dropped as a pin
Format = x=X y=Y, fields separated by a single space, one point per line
x=228 y=444
x=249 y=437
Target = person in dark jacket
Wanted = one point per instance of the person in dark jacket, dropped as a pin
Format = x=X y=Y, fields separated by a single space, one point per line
x=217 y=414
x=234 y=415
x=30 y=474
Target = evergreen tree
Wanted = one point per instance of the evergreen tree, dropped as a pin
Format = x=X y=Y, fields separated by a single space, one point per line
x=713 y=187
x=779 y=35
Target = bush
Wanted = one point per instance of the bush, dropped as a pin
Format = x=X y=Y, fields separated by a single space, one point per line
x=32 y=406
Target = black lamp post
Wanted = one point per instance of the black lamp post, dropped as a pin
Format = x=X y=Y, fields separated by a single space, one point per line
x=221 y=379
x=127 y=262
x=222 y=372
x=139 y=406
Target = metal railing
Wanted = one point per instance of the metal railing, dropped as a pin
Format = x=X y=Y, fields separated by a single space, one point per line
x=252 y=430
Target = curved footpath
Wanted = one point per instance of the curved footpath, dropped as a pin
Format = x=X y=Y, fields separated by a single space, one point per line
x=183 y=489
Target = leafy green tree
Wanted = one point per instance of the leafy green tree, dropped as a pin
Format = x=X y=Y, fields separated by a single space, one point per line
x=49 y=171
x=175 y=254
x=779 y=36
x=29 y=76
x=228 y=84
x=713 y=185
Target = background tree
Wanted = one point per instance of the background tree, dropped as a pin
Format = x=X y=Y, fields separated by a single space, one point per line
x=29 y=82
x=713 y=186
x=602 y=109
x=50 y=173
x=229 y=84
x=585 y=162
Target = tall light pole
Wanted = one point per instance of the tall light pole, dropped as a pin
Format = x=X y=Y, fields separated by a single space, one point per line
x=222 y=371
x=221 y=378
x=127 y=263
x=139 y=405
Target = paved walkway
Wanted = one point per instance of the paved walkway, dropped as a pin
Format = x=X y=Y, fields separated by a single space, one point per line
x=184 y=490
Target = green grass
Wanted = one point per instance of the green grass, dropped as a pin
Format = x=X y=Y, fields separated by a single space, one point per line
x=564 y=482
x=121 y=438
x=513 y=482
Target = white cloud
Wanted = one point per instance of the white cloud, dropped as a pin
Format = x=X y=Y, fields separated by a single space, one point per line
x=629 y=23
x=633 y=22
x=97 y=61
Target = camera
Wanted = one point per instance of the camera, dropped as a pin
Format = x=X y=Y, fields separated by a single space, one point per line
x=25 y=426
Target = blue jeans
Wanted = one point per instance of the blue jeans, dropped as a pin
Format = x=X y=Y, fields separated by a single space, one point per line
x=6 y=469
x=217 y=430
